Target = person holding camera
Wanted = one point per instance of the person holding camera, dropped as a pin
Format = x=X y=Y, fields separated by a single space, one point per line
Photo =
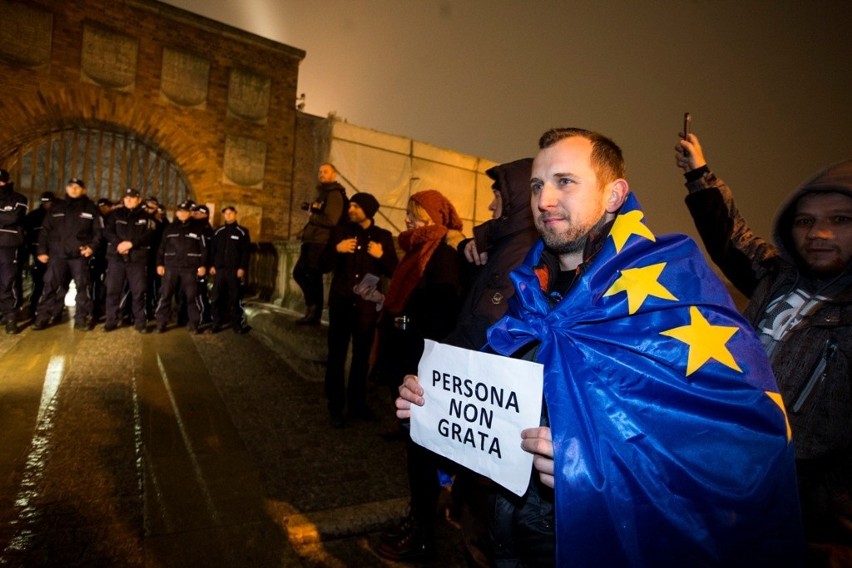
x=325 y=212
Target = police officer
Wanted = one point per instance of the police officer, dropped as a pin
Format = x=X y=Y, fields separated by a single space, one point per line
x=181 y=259
x=230 y=249
x=158 y=213
x=13 y=212
x=69 y=237
x=129 y=232
x=98 y=265
x=201 y=216
x=33 y=223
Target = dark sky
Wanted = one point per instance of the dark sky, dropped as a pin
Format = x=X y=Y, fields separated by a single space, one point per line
x=768 y=82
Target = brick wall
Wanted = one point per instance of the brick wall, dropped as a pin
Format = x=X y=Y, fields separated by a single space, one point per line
x=234 y=136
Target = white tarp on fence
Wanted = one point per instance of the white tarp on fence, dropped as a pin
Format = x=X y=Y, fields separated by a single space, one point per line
x=393 y=167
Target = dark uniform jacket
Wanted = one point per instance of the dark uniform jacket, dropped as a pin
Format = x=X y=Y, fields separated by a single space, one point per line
x=134 y=225
x=230 y=247
x=71 y=224
x=507 y=240
x=349 y=269
x=13 y=211
x=182 y=246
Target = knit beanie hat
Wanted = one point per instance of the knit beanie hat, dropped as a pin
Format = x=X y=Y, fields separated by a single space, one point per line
x=439 y=208
x=368 y=204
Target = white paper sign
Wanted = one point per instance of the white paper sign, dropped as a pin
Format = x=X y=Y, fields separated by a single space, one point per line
x=476 y=406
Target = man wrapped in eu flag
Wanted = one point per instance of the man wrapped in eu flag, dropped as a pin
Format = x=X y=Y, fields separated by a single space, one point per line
x=664 y=441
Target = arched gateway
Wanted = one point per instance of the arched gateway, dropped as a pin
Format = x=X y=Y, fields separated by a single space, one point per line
x=109 y=158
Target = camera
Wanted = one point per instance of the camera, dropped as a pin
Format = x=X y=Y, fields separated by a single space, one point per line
x=305 y=206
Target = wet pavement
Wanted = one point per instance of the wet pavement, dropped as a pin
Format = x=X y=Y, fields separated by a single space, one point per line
x=121 y=449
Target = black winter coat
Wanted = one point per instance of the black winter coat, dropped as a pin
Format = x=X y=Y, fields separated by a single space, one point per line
x=182 y=246
x=13 y=212
x=507 y=240
x=70 y=225
x=349 y=268
x=230 y=247
x=134 y=225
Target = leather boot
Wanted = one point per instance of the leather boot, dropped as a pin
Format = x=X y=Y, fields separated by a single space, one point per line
x=311 y=317
x=413 y=543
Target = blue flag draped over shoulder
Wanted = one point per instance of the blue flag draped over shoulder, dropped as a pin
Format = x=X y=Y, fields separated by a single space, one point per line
x=671 y=443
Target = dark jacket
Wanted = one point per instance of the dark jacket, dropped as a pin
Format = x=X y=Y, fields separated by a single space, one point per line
x=431 y=313
x=182 y=246
x=813 y=361
x=349 y=269
x=328 y=212
x=13 y=212
x=70 y=225
x=134 y=225
x=206 y=229
x=230 y=247
x=507 y=240
x=33 y=222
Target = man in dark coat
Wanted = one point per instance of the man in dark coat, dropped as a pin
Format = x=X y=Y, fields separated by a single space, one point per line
x=129 y=233
x=13 y=212
x=33 y=223
x=325 y=212
x=69 y=237
x=230 y=249
x=181 y=259
x=354 y=250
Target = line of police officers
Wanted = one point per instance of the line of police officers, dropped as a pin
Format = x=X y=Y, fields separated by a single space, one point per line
x=146 y=258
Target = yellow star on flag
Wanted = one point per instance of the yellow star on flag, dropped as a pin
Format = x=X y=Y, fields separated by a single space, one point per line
x=776 y=398
x=639 y=283
x=627 y=224
x=705 y=342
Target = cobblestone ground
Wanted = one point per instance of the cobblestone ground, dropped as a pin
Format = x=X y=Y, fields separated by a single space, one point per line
x=176 y=450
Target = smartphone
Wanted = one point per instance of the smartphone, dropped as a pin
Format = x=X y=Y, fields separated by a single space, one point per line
x=687 y=118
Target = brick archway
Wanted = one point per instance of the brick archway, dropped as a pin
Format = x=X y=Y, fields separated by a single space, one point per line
x=108 y=157
x=109 y=139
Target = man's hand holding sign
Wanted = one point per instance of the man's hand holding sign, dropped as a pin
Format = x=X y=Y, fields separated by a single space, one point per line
x=479 y=406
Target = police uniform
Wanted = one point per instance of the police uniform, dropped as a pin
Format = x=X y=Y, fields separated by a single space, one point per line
x=230 y=250
x=33 y=224
x=13 y=211
x=72 y=225
x=137 y=227
x=182 y=252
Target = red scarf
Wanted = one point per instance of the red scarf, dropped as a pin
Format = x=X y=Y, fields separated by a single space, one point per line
x=419 y=245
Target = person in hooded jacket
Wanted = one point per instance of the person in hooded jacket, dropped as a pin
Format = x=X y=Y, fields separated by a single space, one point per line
x=70 y=235
x=800 y=303
x=498 y=246
x=13 y=212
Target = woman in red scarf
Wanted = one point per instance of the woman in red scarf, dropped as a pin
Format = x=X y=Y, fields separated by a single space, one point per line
x=422 y=302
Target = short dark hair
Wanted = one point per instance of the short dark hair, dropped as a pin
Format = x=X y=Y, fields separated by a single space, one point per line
x=607 y=159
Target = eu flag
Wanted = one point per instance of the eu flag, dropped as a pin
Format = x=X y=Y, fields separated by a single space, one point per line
x=671 y=442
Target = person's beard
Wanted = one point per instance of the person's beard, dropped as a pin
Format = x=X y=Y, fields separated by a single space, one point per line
x=572 y=240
